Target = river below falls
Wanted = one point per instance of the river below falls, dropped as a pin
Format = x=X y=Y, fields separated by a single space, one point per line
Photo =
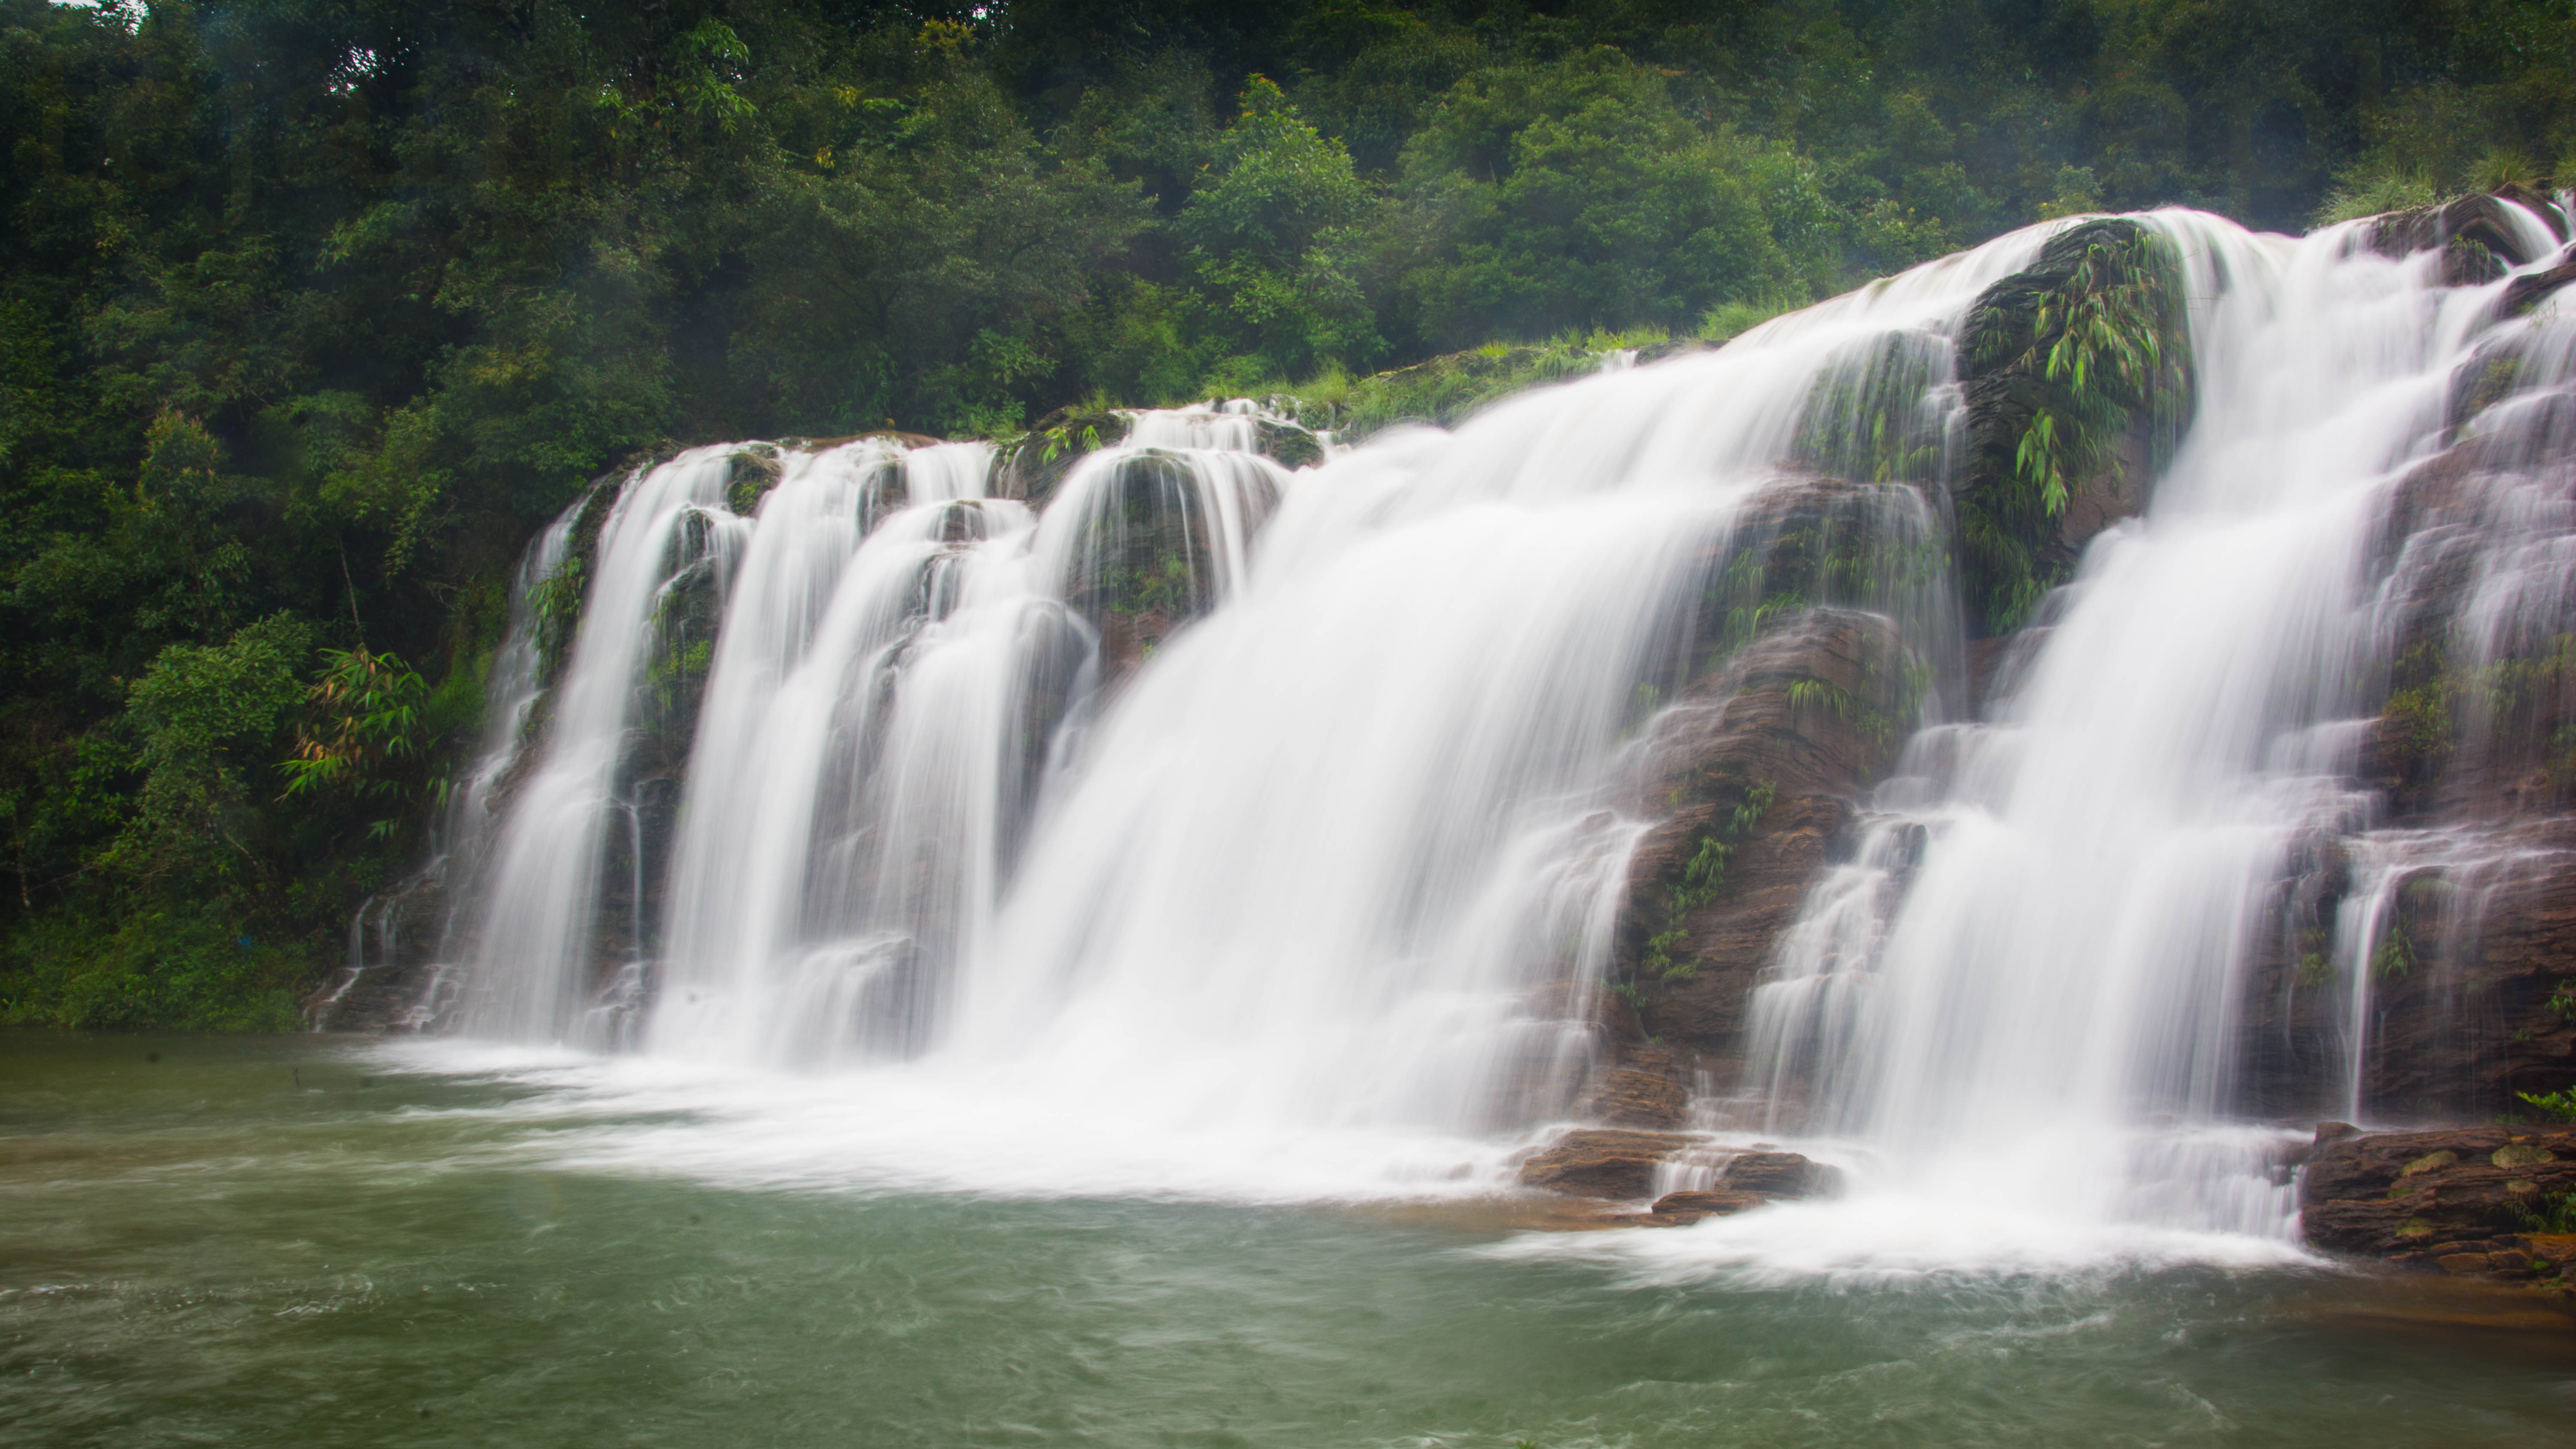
x=309 y=1242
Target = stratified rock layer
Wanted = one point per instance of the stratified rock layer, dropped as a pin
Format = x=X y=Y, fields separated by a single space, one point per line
x=2475 y=1201
x=1799 y=726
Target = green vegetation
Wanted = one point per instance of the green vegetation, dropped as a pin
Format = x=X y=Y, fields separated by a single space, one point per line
x=311 y=311
x=2394 y=959
x=1445 y=389
x=2560 y=1105
x=2512 y=705
x=2554 y=1213
x=2066 y=364
x=1702 y=878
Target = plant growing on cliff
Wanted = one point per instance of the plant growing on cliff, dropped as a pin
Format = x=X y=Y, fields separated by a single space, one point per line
x=2559 y=1104
x=1817 y=694
x=2114 y=349
x=2063 y=363
x=2394 y=958
x=1702 y=877
x=2554 y=1214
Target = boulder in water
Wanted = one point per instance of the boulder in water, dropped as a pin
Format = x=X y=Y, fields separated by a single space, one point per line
x=1690 y=1207
x=1770 y=1175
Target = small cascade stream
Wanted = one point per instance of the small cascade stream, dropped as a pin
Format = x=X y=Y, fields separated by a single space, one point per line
x=1171 y=820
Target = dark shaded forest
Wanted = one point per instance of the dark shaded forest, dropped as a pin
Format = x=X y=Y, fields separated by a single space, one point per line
x=313 y=311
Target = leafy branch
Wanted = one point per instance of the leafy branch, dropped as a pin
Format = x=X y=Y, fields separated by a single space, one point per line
x=366 y=713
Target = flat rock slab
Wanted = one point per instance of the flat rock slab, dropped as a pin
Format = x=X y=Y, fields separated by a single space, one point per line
x=1603 y=1162
x=1615 y=1163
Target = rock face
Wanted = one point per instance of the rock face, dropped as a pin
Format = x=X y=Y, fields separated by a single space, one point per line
x=2477 y=242
x=1641 y=1086
x=1030 y=470
x=1759 y=771
x=1751 y=1180
x=390 y=964
x=2012 y=544
x=1679 y=1208
x=2472 y=974
x=1762 y=766
x=2483 y=1201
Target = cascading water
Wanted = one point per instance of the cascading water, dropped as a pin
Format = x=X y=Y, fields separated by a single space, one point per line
x=2030 y=985
x=868 y=676
x=540 y=898
x=1344 y=856
x=817 y=628
x=1317 y=894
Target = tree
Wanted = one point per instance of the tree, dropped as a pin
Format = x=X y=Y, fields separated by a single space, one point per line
x=1275 y=243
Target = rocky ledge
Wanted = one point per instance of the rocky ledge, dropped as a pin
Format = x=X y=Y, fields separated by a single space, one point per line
x=2484 y=1202
x=1621 y=1165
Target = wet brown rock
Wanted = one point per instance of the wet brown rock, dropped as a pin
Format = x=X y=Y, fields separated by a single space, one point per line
x=2533 y=288
x=2477 y=241
x=398 y=933
x=2551 y=1251
x=1770 y=1175
x=2462 y=1020
x=2471 y=949
x=2460 y=1200
x=1757 y=730
x=1640 y=1088
x=1690 y=1207
x=1602 y=1163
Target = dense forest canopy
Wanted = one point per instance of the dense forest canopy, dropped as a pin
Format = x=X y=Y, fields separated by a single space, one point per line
x=311 y=311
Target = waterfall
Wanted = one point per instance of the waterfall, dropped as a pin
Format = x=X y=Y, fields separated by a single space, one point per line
x=1165 y=815
x=1344 y=851
x=813 y=622
x=2030 y=982
x=540 y=894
